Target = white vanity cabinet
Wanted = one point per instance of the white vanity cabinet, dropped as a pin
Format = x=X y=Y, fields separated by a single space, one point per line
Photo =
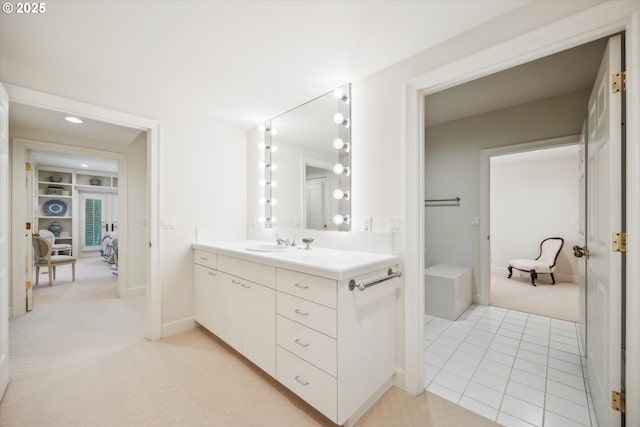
x=298 y=319
x=239 y=311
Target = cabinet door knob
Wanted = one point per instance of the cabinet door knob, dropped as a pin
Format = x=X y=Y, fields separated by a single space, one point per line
x=301 y=313
x=235 y=282
x=211 y=273
x=301 y=380
x=300 y=343
x=298 y=285
x=244 y=285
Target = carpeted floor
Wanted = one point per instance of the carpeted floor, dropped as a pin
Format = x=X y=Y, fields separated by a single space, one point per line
x=80 y=359
x=559 y=301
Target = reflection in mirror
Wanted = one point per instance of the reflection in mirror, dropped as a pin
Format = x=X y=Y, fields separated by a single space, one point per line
x=307 y=165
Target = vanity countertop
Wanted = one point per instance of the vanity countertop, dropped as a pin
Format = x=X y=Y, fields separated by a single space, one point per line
x=331 y=263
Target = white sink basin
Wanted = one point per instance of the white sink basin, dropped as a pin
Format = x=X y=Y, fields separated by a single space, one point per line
x=268 y=247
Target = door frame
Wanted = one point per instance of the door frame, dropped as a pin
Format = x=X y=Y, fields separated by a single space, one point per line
x=483 y=297
x=30 y=97
x=597 y=22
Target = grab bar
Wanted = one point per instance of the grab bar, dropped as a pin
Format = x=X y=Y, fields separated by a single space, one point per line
x=454 y=200
x=362 y=286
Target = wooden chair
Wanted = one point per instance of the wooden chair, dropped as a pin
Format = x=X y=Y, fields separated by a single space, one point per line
x=43 y=258
x=545 y=263
x=56 y=248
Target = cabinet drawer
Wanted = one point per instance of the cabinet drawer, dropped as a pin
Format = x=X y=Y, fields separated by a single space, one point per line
x=316 y=316
x=312 y=346
x=230 y=265
x=314 y=288
x=317 y=388
x=205 y=258
x=259 y=273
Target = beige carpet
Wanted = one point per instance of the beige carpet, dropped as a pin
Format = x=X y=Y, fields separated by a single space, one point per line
x=559 y=301
x=80 y=359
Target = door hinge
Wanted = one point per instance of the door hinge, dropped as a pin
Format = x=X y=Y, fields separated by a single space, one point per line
x=27 y=226
x=27 y=166
x=617 y=401
x=619 y=242
x=619 y=82
x=27 y=285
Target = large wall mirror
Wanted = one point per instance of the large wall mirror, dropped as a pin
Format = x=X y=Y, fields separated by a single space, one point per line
x=307 y=165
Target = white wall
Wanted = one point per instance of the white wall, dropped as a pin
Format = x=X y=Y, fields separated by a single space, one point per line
x=137 y=214
x=530 y=201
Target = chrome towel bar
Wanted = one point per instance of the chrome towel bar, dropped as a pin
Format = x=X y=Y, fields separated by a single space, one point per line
x=364 y=285
x=453 y=200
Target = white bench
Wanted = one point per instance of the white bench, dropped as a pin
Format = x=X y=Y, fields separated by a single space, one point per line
x=447 y=290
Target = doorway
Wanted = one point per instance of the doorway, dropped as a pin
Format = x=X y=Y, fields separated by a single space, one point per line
x=454 y=141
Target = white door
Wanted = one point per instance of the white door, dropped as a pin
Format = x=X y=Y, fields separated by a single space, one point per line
x=28 y=235
x=4 y=240
x=582 y=232
x=604 y=217
x=315 y=204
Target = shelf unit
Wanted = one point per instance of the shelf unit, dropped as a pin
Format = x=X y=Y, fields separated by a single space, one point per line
x=66 y=191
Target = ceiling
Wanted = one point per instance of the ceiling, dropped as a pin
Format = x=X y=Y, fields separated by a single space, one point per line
x=239 y=62
x=558 y=74
x=72 y=161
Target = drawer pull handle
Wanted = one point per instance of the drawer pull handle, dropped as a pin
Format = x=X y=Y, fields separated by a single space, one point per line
x=204 y=259
x=301 y=381
x=301 y=313
x=244 y=285
x=211 y=273
x=298 y=285
x=235 y=282
x=300 y=343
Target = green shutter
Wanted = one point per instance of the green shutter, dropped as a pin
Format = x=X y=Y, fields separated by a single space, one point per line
x=92 y=222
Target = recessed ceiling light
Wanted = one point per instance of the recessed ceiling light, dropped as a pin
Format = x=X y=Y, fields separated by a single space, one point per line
x=74 y=120
x=84 y=165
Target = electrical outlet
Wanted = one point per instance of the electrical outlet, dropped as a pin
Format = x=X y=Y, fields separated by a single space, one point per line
x=394 y=224
x=368 y=223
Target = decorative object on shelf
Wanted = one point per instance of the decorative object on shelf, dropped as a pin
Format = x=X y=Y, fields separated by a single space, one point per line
x=55 y=178
x=55 y=207
x=55 y=191
x=94 y=181
x=55 y=228
x=307 y=241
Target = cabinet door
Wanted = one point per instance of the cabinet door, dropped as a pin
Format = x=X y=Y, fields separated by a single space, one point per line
x=259 y=325
x=205 y=286
x=228 y=311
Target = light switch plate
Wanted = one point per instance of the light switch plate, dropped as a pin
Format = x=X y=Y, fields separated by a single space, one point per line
x=368 y=223
x=168 y=223
x=394 y=224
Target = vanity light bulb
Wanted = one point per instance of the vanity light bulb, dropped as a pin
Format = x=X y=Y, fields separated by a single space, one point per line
x=261 y=219
x=274 y=167
x=273 y=184
x=274 y=202
x=339 y=169
x=274 y=220
x=339 y=219
x=338 y=144
x=262 y=201
x=273 y=148
x=262 y=128
x=338 y=194
x=262 y=183
x=262 y=145
x=261 y=165
x=339 y=94
x=340 y=119
x=274 y=131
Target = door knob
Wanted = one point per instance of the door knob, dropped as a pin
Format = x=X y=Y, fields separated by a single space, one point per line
x=580 y=252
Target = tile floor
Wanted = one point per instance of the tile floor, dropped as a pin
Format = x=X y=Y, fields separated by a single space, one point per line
x=515 y=368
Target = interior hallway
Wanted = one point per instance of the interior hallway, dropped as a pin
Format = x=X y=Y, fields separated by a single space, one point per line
x=80 y=358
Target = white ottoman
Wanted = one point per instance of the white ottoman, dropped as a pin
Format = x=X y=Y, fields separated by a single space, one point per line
x=447 y=290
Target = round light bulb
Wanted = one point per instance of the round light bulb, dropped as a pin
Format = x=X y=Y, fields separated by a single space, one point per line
x=274 y=202
x=273 y=148
x=274 y=131
x=274 y=220
x=274 y=184
x=262 y=183
x=338 y=118
x=274 y=167
x=338 y=219
x=261 y=219
x=261 y=165
x=262 y=128
x=338 y=169
x=338 y=194
x=262 y=145
x=262 y=201
x=338 y=93
x=338 y=143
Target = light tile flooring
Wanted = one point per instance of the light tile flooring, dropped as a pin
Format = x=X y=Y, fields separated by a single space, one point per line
x=515 y=368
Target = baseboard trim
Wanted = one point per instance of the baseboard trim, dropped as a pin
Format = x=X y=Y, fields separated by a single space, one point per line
x=399 y=379
x=369 y=403
x=136 y=290
x=178 y=326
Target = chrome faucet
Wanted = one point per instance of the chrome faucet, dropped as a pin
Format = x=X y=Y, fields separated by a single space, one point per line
x=285 y=242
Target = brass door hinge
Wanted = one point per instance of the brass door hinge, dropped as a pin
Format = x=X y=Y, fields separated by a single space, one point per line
x=27 y=166
x=617 y=401
x=27 y=285
x=619 y=82
x=619 y=242
x=28 y=226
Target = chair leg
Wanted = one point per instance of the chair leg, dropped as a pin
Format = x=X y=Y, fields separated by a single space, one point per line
x=553 y=279
x=54 y=272
x=73 y=271
x=50 y=275
x=37 y=274
x=510 y=272
x=534 y=276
